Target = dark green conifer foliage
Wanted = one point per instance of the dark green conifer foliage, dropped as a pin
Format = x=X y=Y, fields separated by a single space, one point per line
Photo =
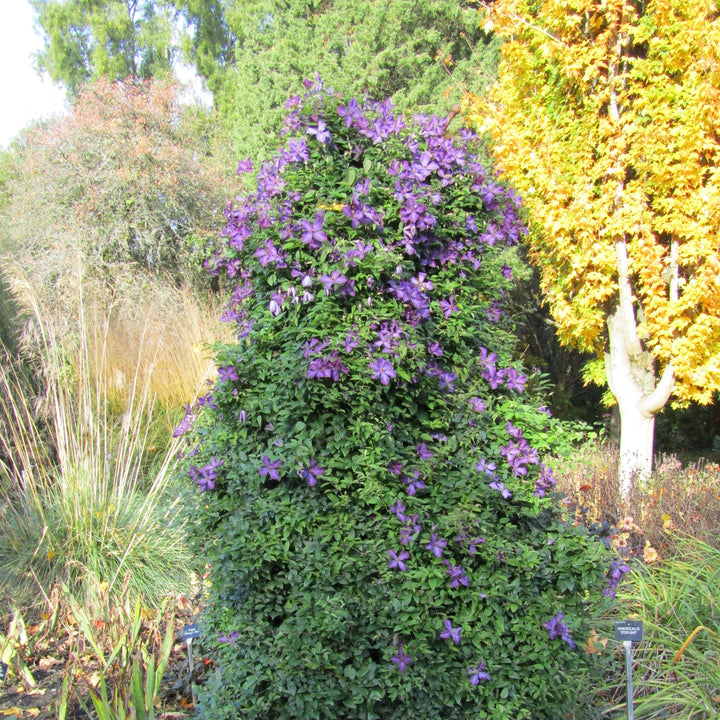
x=419 y=53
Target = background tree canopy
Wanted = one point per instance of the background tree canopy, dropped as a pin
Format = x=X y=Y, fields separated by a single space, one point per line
x=254 y=54
x=117 y=39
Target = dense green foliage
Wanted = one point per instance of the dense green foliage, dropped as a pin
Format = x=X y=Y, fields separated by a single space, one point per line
x=254 y=54
x=380 y=527
x=119 y=39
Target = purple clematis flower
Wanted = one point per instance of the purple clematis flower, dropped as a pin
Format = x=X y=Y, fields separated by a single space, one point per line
x=401 y=659
x=320 y=132
x=448 y=306
x=477 y=673
x=230 y=638
x=478 y=404
x=423 y=451
x=414 y=483
x=397 y=560
x=312 y=233
x=270 y=468
x=556 y=627
x=312 y=473
x=451 y=633
x=436 y=545
x=227 y=373
x=382 y=370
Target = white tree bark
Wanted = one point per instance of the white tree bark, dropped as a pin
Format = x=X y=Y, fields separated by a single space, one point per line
x=632 y=378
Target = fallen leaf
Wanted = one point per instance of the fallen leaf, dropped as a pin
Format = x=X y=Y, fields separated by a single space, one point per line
x=650 y=554
x=33 y=712
x=595 y=643
x=11 y=711
x=47 y=662
x=187 y=704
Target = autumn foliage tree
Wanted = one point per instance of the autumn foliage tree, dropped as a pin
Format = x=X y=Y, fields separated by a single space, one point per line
x=125 y=179
x=606 y=117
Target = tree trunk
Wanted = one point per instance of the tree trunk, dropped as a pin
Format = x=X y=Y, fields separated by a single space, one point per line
x=632 y=380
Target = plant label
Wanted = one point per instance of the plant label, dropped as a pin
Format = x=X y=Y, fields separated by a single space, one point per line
x=190 y=632
x=3 y=671
x=629 y=630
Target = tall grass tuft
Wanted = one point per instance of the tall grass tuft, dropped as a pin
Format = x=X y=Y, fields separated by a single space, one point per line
x=677 y=665
x=77 y=506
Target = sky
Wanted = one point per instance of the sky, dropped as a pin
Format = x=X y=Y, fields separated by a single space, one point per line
x=24 y=95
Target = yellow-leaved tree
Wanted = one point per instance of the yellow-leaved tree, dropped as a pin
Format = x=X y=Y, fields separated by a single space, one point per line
x=606 y=118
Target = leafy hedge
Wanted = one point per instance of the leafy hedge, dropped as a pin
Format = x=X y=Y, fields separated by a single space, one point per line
x=371 y=495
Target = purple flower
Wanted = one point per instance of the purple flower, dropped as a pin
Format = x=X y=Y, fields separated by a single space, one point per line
x=276 y=303
x=229 y=638
x=270 y=468
x=435 y=349
x=556 y=627
x=487 y=467
x=351 y=341
x=382 y=370
x=423 y=451
x=514 y=380
x=395 y=467
x=477 y=673
x=457 y=575
x=335 y=278
x=472 y=545
x=397 y=560
x=478 y=404
x=297 y=150
x=494 y=312
x=401 y=659
x=320 y=132
x=500 y=487
x=313 y=234
x=349 y=112
x=186 y=423
x=244 y=166
x=545 y=481
x=448 y=306
x=227 y=373
x=415 y=483
x=487 y=360
x=205 y=476
x=398 y=509
x=242 y=416
x=436 y=545
x=268 y=253
x=506 y=271
x=312 y=473
x=451 y=633
x=617 y=570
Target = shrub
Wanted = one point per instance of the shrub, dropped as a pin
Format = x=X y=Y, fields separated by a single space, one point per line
x=677 y=500
x=372 y=502
x=123 y=180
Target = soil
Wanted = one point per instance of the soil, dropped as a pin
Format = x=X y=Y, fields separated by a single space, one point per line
x=54 y=657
